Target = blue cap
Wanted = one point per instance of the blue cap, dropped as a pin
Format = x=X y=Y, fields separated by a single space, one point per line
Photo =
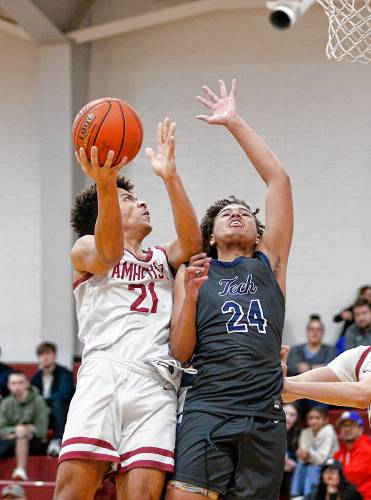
x=351 y=415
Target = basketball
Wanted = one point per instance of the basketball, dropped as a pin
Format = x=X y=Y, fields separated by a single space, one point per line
x=108 y=123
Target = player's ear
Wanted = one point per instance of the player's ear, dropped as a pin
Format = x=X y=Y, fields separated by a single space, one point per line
x=257 y=239
x=212 y=240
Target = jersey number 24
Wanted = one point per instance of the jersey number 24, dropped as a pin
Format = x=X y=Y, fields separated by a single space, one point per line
x=255 y=316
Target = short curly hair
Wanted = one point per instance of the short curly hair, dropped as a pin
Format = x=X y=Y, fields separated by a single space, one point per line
x=85 y=209
x=207 y=222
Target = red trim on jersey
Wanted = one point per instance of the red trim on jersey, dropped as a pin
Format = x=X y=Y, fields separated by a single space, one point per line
x=147 y=463
x=78 y=282
x=163 y=249
x=148 y=449
x=87 y=455
x=148 y=256
x=361 y=360
x=85 y=440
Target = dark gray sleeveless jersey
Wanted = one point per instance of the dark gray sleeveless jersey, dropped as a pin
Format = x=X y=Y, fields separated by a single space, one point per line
x=240 y=315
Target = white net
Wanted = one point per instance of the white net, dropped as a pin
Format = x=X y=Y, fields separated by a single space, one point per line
x=349 y=29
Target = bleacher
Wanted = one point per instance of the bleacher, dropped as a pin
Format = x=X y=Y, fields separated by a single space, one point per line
x=42 y=469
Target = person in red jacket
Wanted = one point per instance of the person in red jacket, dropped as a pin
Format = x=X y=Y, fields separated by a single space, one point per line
x=355 y=452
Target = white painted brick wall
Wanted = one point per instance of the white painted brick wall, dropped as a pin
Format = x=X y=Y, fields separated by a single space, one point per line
x=20 y=263
x=314 y=114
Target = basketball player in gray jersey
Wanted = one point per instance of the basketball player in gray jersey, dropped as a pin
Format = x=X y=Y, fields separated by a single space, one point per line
x=228 y=318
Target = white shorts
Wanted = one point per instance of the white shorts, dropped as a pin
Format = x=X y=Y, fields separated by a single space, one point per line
x=123 y=414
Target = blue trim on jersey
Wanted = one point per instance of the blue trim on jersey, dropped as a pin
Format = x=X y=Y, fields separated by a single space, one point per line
x=263 y=258
x=256 y=255
x=223 y=263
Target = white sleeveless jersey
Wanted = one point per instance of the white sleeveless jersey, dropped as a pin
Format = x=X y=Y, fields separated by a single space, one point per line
x=353 y=365
x=127 y=312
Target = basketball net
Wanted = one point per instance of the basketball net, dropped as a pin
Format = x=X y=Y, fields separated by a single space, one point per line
x=349 y=29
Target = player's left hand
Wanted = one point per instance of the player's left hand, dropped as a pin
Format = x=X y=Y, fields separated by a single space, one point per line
x=223 y=107
x=196 y=274
x=163 y=163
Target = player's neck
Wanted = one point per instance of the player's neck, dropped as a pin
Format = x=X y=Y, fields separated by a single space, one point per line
x=134 y=246
x=230 y=253
x=314 y=347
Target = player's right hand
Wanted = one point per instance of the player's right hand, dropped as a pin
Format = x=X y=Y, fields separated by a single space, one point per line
x=195 y=274
x=93 y=169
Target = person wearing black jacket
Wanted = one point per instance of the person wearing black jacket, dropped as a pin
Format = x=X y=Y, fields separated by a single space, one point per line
x=4 y=372
x=56 y=385
x=333 y=485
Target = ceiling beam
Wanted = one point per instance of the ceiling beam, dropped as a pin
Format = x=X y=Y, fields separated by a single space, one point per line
x=166 y=15
x=33 y=21
x=13 y=29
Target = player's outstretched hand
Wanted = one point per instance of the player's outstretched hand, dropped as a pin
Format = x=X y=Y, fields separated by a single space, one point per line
x=222 y=107
x=196 y=274
x=163 y=163
x=100 y=174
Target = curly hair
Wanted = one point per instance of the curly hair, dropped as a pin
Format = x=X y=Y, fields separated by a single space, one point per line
x=85 y=209
x=207 y=222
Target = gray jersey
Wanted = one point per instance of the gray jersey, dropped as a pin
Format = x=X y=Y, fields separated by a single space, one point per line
x=240 y=316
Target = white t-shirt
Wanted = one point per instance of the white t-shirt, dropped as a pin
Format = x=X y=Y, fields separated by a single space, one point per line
x=127 y=312
x=353 y=365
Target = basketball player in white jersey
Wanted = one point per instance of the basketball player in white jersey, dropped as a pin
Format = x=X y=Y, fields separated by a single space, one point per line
x=352 y=368
x=123 y=415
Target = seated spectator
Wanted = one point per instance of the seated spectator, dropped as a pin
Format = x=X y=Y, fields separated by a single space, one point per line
x=55 y=383
x=4 y=372
x=360 y=332
x=23 y=423
x=313 y=354
x=13 y=490
x=346 y=315
x=316 y=444
x=293 y=427
x=355 y=452
x=333 y=485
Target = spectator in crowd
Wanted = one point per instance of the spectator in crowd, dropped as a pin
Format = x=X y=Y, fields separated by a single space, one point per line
x=333 y=485
x=23 y=423
x=313 y=354
x=316 y=444
x=293 y=427
x=346 y=315
x=355 y=452
x=55 y=383
x=4 y=372
x=13 y=490
x=360 y=332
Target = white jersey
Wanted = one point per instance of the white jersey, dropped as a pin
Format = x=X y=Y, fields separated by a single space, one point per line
x=353 y=365
x=126 y=313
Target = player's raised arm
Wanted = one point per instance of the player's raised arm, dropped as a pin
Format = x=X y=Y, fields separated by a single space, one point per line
x=97 y=254
x=183 y=321
x=189 y=239
x=277 y=237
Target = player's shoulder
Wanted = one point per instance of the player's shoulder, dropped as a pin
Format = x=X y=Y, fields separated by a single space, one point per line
x=85 y=243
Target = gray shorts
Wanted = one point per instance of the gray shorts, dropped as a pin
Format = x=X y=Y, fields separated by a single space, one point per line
x=240 y=458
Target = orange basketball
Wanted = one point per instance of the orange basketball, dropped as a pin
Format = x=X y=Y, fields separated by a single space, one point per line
x=108 y=123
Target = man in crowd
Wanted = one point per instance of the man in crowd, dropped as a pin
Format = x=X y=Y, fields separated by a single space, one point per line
x=355 y=452
x=359 y=333
x=313 y=354
x=23 y=423
x=55 y=383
